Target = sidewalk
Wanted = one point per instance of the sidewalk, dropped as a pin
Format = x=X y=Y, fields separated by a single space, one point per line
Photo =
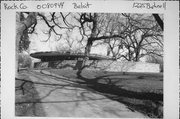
x=59 y=97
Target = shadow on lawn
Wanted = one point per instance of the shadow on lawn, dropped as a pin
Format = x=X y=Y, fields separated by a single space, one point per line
x=29 y=103
x=26 y=91
x=149 y=103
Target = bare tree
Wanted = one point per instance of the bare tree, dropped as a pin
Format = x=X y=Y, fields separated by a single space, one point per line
x=22 y=25
x=25 y=25
x=69 y=44
x=93 y=27
x=143 y=37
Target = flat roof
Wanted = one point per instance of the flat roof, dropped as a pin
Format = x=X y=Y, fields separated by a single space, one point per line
x=55 y=56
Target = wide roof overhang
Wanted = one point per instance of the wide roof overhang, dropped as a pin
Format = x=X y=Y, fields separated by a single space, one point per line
x=55 y=56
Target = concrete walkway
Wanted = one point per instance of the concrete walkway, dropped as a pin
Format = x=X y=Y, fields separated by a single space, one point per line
x=58 y=96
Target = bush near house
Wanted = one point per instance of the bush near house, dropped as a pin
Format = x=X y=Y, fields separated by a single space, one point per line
x=24 y=60
x=157 y=60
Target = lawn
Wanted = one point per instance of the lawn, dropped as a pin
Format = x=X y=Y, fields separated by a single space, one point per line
x=142 y=92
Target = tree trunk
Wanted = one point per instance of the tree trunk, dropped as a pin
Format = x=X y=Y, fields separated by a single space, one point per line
x=88 y=47
x=129 y=54
x=93 y=35
x=91 y=39
x=19 y=32
x=89 y=43
x=108 y=51
x=159 y=21
x=20 y=27
x=137 y=51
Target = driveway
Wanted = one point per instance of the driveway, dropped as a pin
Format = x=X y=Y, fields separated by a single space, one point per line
x=51 y=95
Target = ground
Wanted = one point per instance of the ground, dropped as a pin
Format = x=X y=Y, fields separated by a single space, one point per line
x=61 y=93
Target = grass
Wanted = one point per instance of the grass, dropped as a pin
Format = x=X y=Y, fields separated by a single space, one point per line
x=142 y=92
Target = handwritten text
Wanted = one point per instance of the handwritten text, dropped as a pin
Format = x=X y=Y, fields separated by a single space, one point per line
x=51 y=5
x=81 y=5
x=14 y=6
x=153 y=5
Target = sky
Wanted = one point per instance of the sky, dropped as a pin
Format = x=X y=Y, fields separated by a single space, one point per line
x=38 y=45
x=38 y=39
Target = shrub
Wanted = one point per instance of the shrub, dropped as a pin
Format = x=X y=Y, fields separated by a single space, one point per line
x=24 y=60
x=157 y=60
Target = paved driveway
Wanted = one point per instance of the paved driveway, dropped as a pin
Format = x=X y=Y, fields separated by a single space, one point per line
x=59 y=96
